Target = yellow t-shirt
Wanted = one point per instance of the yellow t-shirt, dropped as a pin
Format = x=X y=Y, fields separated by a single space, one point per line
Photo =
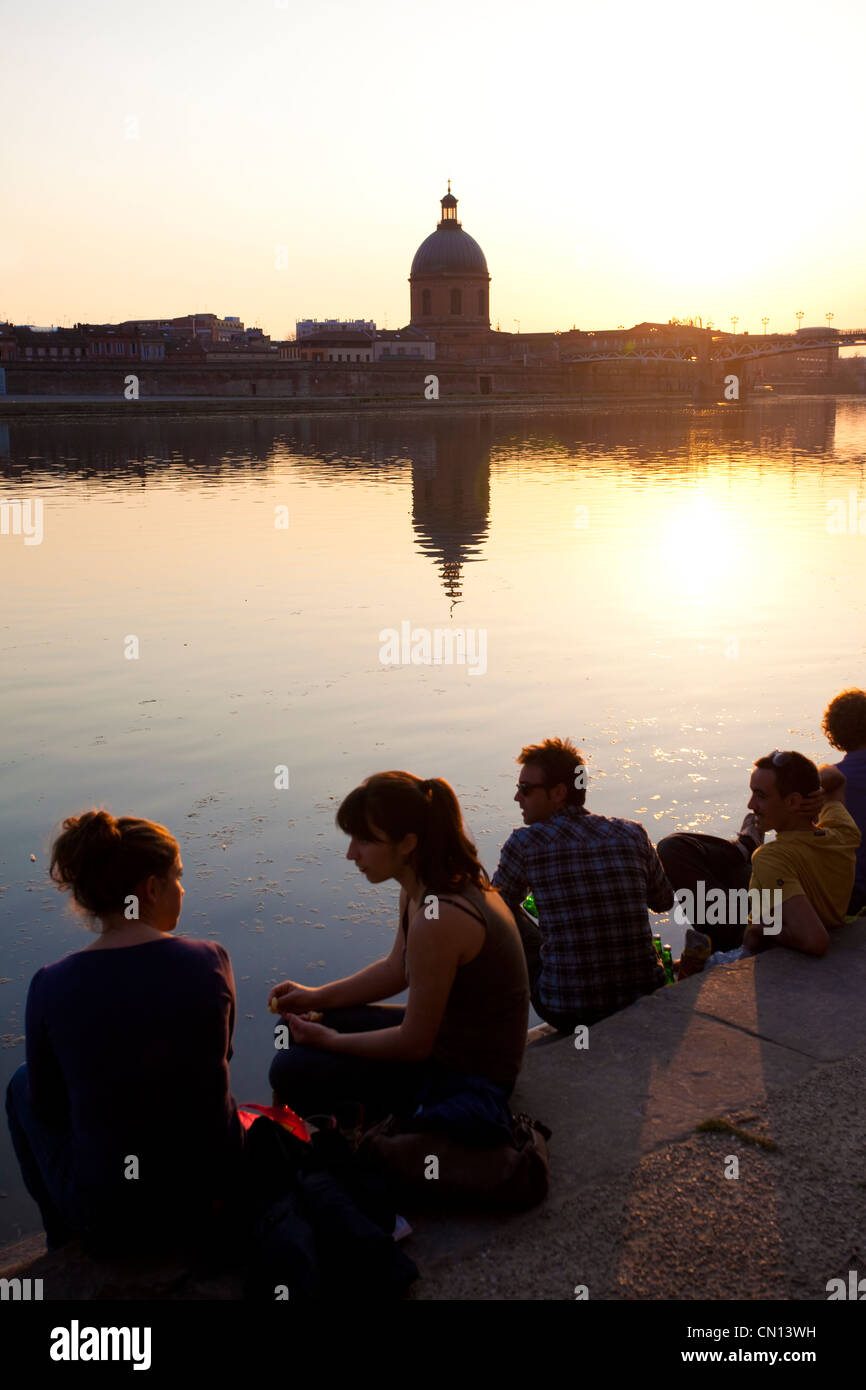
x=818 y=862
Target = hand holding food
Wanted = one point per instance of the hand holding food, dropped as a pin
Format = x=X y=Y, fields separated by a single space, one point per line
x=292 y=998
x=314 y=1016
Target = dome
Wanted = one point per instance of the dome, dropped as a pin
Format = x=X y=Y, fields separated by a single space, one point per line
x=449 y=251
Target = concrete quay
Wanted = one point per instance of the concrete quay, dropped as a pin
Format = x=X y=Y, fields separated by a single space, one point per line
x=639 y=1206
x=644 y=1204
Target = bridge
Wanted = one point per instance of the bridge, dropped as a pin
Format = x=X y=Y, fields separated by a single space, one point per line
x=715 y=347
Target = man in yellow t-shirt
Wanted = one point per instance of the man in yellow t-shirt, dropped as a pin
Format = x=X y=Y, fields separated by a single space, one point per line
x=811 y=865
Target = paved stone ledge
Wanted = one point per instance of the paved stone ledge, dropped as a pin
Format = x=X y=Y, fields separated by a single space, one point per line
x=639 y=1205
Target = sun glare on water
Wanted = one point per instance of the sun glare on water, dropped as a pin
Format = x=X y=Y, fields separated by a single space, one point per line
x=696 y=556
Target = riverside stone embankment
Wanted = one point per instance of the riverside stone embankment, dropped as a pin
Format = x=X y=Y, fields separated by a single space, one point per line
x=644 y=1204
x=53 y=408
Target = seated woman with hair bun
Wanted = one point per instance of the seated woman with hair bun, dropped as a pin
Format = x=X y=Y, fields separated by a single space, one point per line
x=123 y=1120
x=463 y=1029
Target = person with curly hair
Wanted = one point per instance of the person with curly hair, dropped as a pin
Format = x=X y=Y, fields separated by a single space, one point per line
x=844 y=725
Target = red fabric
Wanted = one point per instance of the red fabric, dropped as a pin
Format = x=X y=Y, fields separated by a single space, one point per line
x=280 y=1114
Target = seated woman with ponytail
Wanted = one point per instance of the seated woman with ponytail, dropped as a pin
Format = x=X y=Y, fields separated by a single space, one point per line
x=123 y=1120
x=463 y=1029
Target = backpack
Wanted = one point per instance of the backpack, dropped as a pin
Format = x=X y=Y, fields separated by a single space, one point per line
x=432 y=1167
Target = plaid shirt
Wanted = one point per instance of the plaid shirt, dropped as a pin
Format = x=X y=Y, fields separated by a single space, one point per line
x=593 y=878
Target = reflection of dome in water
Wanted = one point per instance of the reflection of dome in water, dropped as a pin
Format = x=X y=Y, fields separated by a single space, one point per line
x=451 y=535
x=451 y=576
x=449 y=456
x=451 y=498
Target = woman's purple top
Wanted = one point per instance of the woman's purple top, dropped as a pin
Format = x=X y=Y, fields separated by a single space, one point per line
x=853 y=766
x=128 y=1051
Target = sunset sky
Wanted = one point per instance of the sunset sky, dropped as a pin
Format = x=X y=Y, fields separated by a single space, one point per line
x=616 y=163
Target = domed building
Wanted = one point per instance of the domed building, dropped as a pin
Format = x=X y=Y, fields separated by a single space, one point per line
x=450 y=285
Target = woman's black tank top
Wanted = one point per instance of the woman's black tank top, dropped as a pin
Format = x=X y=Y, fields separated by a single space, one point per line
x=483 y=1029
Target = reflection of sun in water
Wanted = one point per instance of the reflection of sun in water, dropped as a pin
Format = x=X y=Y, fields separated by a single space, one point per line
x=698 y=555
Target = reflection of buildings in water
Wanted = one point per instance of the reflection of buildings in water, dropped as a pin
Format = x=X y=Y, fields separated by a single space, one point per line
x=449 y=455
x=448 y=452
x=850 y=435
x=649 y=435
x=773 y=429
x=138 y=447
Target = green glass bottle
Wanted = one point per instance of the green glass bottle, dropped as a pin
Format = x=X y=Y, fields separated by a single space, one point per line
x=657 y=942
x=668 y=963
x=528 y=905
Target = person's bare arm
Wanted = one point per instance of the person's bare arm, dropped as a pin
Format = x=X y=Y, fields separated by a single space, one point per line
x=433 y=956
x=659 y=893
x=802 y=930
x=833 y=783
x=381 y=980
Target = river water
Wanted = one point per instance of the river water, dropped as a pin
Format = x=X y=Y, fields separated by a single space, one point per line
x=678 y=589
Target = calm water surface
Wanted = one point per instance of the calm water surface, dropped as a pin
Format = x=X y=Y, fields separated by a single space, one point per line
x=660 y=584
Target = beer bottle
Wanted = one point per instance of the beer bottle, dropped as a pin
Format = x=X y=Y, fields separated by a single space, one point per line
x=657 y=942
x=668 y=963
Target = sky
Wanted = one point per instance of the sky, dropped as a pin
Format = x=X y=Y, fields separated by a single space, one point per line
x=280 y=159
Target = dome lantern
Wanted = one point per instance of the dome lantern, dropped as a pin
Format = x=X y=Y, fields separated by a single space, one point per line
x=449 y=210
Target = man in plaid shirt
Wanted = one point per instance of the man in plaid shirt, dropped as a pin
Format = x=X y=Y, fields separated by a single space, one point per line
x=593 y=879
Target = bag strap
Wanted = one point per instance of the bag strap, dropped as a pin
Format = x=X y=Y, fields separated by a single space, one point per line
x=473 y=911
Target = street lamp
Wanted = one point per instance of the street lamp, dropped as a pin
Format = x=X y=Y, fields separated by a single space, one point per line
x=799 y=316
x=764 y=323
x=829 y=318
x=735 y=319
